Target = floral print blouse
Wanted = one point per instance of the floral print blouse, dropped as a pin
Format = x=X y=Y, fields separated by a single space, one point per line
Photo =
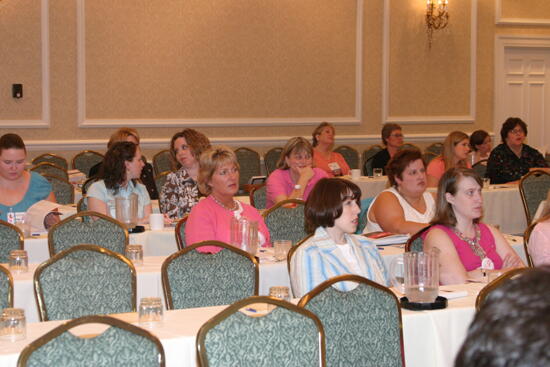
x=179 y=194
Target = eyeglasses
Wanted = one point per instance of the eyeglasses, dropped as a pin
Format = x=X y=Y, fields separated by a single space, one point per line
x=517 y=132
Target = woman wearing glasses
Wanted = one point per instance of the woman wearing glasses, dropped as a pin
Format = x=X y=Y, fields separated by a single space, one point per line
x=512 y=159
x=392 y=137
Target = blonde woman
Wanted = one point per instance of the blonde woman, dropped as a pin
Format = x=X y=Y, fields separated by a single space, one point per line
x=323 y=157
x=456 y=149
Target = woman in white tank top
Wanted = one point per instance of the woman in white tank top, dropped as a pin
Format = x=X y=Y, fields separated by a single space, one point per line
x=405 y=207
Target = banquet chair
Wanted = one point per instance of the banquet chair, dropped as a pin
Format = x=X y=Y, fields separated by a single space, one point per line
x=363 y=326
x=180 y=232
x=62 y=189
x=51 y=169
x=350 y=155
x=366 y=158
x=6 y=288
x=82 y=205
x=486 y=291
x=258 y=195
x=160 y=180
x=416 y=242
x=11 y=238
x=84 y=280
x=80 y=228
x=121 y=344
x=533 y=188
x=194 y=279
x=51 y=158
x=480 y=168
x=249 y=162
x=286 y=336
x=285 y=220
x=162 y=162
x=85 y=160
x=89 y=181
x=436 y=148
x=271 y=158
x=409 y=146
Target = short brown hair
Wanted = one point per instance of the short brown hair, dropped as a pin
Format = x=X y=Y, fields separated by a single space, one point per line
x=509 y=125
x=477 y=138
x=121 y=135
x=197 y=142
x=448 y=183
x=324 y=203
x=209 y=161
x=297 y=144
x=11 y=141
x=387 y=129
x=318 y=130
x=400 y=161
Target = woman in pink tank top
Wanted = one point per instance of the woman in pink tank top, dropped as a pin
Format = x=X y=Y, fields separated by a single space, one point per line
x=468 y=247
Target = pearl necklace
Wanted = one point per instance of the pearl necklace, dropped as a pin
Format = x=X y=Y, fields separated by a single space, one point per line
x=233 y=208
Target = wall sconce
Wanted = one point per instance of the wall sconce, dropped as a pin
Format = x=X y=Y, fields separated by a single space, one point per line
x=436 y=17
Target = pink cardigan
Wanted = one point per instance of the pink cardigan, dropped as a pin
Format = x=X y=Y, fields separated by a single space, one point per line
x=279 y=182
x=210 y=221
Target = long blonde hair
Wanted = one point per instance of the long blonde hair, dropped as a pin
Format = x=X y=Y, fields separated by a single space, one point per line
x=448 y=153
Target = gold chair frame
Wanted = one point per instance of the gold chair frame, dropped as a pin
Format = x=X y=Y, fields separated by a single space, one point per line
x=38 y=294
x=283 y=203
x=52 y=177
x=527 y=236
x=179 y=240
x=252 y=191
x=485 y=291
x=10 y=284
x=235 y=307
x=16 y=229
x=95 y=319
x=48 y=164
x=57 y=156
x=173 y=165
x=164 y=268
x=410 y=241
x=522 y=191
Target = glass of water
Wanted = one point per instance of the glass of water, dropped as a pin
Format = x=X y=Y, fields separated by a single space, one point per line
x=19 y=261
x=134 y=253
x=150 y=311
x=12 y=324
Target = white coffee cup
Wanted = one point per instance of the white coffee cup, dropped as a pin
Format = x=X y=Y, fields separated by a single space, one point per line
x=156 y=221
x=355 y=174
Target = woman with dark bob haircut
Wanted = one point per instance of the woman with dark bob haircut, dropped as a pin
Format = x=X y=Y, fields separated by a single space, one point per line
x=512 y=159
x=122 y=167
x=469 y=248
x=332 y=211
x=405 y=207
x=480 y=143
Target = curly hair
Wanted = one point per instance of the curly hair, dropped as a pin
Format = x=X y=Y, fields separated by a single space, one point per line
x=114 y=167
x=197 y=142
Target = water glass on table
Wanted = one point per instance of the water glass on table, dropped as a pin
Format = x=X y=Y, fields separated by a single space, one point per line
x=355 y=174
x=12 y=324
x=134 y=253
x=19 y=261
x=486 y=183
x=150 y=311
x=377 y=172
x=280 y=292
x=281 y=248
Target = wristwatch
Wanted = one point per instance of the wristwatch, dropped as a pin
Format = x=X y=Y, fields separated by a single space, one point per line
x=297 y=187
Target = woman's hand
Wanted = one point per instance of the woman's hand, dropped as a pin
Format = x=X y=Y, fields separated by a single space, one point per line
x=306 y=174
x=511 y=261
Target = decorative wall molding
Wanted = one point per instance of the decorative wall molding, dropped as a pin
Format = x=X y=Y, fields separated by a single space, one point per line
x=499 y=19
x=220 y=122
x=404 y=120
x=44 y=122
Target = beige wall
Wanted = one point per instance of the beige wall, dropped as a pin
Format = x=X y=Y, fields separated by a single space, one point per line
x=238 y=69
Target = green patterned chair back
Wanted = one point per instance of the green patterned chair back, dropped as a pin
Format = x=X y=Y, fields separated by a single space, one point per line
x=85 y=160
x=51 y=158
x=180 y=232
x=428 y=156
x=82 y=205
x=86 y=185
x=160 y=179
x=533 y=188
x=480 y=167
x=62 y=189
x=11 y=238
x=249 y=162
x=121 y=344
x=271 y=158
x=162 y=162
x=88 y=227
x=258 y=196
x=286 y=223
x=286 y=336
x=485 y=291
x=350 y=155
x=84 y=280
x=50 y=169
x=362 y=326
x=366 y=158
x=6 y=288
x=416 y=242
x=435 y=148
x=194 y=279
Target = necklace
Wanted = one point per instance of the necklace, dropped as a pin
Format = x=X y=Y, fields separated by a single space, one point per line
x=232 y=208
x=473 y=242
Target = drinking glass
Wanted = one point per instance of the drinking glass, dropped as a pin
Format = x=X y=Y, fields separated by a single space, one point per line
x=355 y=174
x=244 y=234
x=150 y=311
x=19 y=261
x=281 y=248
x=135 y=254
x=377 y=172
x=486 y=183
x=156 y=221
x=280 y=292
x=24 y=225
x=12 y=324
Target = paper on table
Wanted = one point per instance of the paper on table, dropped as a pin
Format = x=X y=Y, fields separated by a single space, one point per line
x=450 y=293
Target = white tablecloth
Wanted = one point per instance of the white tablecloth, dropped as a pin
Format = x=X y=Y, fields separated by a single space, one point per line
x=370 y=186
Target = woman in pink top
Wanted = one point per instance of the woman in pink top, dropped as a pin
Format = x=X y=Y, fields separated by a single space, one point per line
x=294 y=177
x=323 y=157
x=211 y=218
x=468 y=247
x=539 y=241
x=456 y=149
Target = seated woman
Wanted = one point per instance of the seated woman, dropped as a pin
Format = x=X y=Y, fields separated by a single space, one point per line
x=19 y=189
x=323 y=157
x=180 y=192
x=405 y=207
x=513 y=159
x=539 y=242
x=468 y=247
x=392 y=138
x=332 y=211
x=147 y=176
x=456 y=148
x=480 y=143
x=122 y=167
x=294 y=177
x=210 y=219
